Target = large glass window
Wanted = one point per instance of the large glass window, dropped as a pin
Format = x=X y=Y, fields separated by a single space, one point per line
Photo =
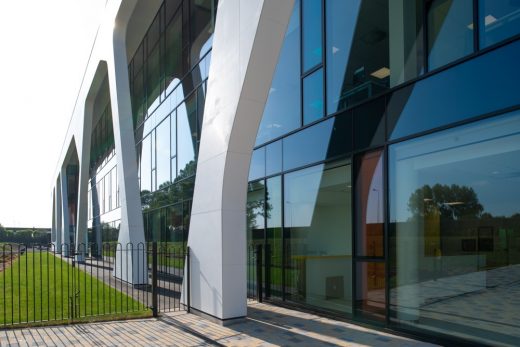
x=322 y=141
x=369 y=205
x=313 y=97
x=175 y=53
x=187 y=136
x=257 y=167
x=202 y=25
x=450 y=31
x=311 y=33
x=484 y=84
x=498 y=20
x=146 y=163
x=357 y=51
x=153 y=83
x=282 y=109
x=273 y=235
x=162 y=139
x=317 y=216
x=455 y=231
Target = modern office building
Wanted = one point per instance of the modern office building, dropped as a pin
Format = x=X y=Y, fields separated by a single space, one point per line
x=371 y=147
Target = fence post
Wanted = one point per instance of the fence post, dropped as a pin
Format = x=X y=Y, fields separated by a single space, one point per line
x=259 y=272
x=188 y=278
x=155 y=308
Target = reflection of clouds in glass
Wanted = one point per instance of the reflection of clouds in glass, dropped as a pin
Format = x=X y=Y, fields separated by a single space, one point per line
x=301 y=196
x=483 y=156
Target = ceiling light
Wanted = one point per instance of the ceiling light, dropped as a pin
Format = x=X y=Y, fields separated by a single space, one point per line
x=381 y=73
x=489 y=19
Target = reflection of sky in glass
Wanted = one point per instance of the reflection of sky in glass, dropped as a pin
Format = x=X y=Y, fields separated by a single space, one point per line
x=185 y=146
x=340 y=34
x=483 y=156
x=301 y=193
x=282 y=109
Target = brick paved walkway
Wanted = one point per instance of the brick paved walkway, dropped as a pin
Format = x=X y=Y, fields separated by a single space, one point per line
x=266 y=326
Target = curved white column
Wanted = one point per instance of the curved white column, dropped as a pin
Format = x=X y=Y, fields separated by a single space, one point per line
x=247 y=41
x=131 y=266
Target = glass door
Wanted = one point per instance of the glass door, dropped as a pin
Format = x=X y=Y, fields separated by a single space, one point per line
x=370 y=286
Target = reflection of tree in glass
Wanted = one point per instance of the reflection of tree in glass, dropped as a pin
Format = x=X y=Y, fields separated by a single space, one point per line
x=452 y=202
x=255 y=208
x=171 y=192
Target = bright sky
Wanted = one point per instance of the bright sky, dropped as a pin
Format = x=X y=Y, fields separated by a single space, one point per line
x=44 y=51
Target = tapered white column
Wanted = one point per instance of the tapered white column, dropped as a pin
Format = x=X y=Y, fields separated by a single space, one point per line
x=131 y=261
x=246 y=44
x=84 y=163
x=57 y=215
x=65 y=220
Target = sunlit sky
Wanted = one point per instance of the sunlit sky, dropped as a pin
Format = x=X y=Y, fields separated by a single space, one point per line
x=44 y=51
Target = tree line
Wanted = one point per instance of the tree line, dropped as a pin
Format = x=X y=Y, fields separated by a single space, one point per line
x=25 y=236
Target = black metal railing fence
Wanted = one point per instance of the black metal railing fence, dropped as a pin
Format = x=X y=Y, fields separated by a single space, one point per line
x=42 y=284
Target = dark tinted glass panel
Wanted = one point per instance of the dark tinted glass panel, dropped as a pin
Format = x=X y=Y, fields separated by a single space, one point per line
x=257 y=167
x=369 y=205
x=357 y=51
x=201 y=99
x=187 y=136
x=174 y=229
x=202 y=20
x=174 y=51
x=153 y=73
x=273 y=158
x=324 y=140
x=274 y=242
x=311 y=34
x=370 y=290
x=406 y=29
x=163 y=153
x=171 y=8
x=282 y=111
x=138 y=99
x=484 y=84
x=153 y=33
x=369 y=124
x=498 y=20
x=318 y=219
x=455 y=222
x=450 y=31
x=313 y=97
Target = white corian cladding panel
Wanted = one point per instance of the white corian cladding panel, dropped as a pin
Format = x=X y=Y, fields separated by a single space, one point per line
x=248 y=38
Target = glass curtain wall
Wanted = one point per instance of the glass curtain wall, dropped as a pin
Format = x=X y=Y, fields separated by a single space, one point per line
x=367 y=47
x=168 y=76
x=455 y=239
x=426 y=240
x=317 y=220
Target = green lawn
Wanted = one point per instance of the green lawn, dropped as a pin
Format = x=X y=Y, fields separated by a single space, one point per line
x=41 y=287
